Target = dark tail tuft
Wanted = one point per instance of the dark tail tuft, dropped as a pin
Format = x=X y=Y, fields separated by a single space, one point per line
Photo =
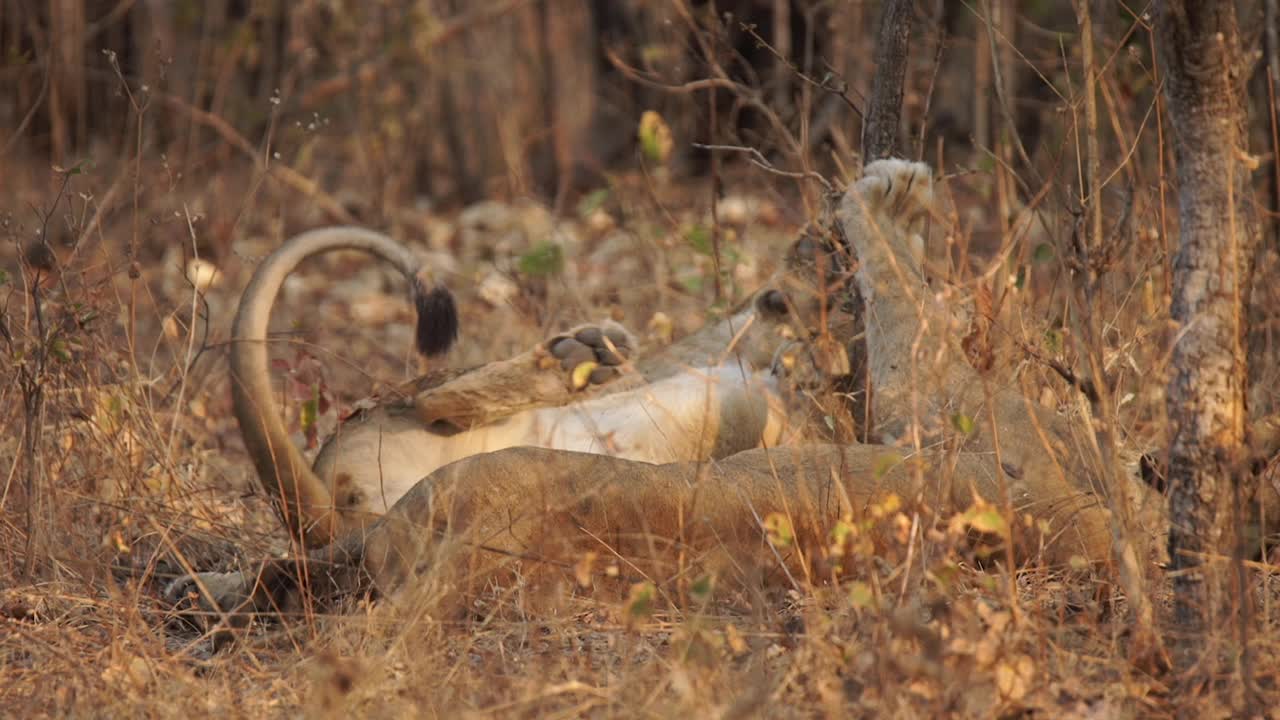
x=437 y=319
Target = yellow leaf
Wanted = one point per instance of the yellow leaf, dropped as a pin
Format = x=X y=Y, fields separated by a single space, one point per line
x=1014 y=678
x=987 y=520
x=582 y=569
x=778 y=527
x=655 y=137
x=892 y=503
x=582 y=374
x=736 y=643
x=843 y=532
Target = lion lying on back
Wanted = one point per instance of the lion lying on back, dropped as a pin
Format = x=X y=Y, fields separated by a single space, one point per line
x=713 y=398
x=712 y=394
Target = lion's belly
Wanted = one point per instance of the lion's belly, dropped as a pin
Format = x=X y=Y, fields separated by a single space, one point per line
x=702 y=413
x=709 y=412
x=386 y=455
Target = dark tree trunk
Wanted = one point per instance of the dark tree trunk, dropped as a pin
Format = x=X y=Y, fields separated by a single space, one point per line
x=884 y=108
x=880 y=124
x=1204 y=68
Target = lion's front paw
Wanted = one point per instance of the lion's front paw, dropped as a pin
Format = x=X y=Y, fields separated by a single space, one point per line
x=591 y=354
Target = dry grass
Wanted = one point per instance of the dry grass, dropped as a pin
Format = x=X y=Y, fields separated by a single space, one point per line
x=145 y=477
x=135 y=472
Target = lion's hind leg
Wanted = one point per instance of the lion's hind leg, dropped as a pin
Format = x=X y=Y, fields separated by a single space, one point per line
x=901 y=190
x=592 y=354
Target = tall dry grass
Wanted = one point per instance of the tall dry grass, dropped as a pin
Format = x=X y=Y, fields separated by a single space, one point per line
x=123 y=468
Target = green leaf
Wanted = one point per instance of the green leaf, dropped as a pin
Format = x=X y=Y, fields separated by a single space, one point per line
x=692 y=283
x=699 y=237
x=962 y=423
x=58 y=348
x=861 y=596
x=546 y=258
x=1053 y=340
x=885 y=462
x=701 y=588
x=1043 y=253
x=592 y=202
x=309 y=411
x=640 y=602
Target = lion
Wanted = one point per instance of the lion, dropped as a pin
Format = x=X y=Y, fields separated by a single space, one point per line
x=706 y=397
x=512 y=493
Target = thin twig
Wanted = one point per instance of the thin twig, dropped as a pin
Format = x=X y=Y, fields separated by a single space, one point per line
x=755 y=157
x=832 y=83
x=31 y=113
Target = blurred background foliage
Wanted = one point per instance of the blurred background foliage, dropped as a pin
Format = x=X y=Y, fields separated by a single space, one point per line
x=455 y=101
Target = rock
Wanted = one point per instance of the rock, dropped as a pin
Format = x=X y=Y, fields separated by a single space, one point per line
x=497 y=289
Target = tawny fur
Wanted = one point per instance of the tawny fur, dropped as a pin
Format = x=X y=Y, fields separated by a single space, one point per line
x=711 y=395
x=529 y=507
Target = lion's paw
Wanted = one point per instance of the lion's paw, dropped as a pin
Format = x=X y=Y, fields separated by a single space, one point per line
x=592 y=354
x=901 y=189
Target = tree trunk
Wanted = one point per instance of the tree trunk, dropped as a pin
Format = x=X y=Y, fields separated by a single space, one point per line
x=880 y=127
x=884 y=107
x=1205 y=71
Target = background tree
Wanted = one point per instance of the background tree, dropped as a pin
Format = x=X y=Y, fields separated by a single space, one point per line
x=1205 y=72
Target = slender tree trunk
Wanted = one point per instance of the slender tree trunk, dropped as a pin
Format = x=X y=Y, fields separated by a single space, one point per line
x=1199 y=47
x=880 y=124
x=884 y=107
x=1271 y=44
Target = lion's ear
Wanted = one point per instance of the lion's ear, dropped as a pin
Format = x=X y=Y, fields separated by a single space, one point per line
x=772 y=304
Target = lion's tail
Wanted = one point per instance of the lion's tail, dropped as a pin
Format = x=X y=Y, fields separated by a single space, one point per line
x=305 y=501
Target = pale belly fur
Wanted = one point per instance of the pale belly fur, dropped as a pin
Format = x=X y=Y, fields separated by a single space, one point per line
x=674 y=419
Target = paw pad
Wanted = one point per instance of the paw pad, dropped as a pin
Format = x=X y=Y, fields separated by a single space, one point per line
x=591 y=354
